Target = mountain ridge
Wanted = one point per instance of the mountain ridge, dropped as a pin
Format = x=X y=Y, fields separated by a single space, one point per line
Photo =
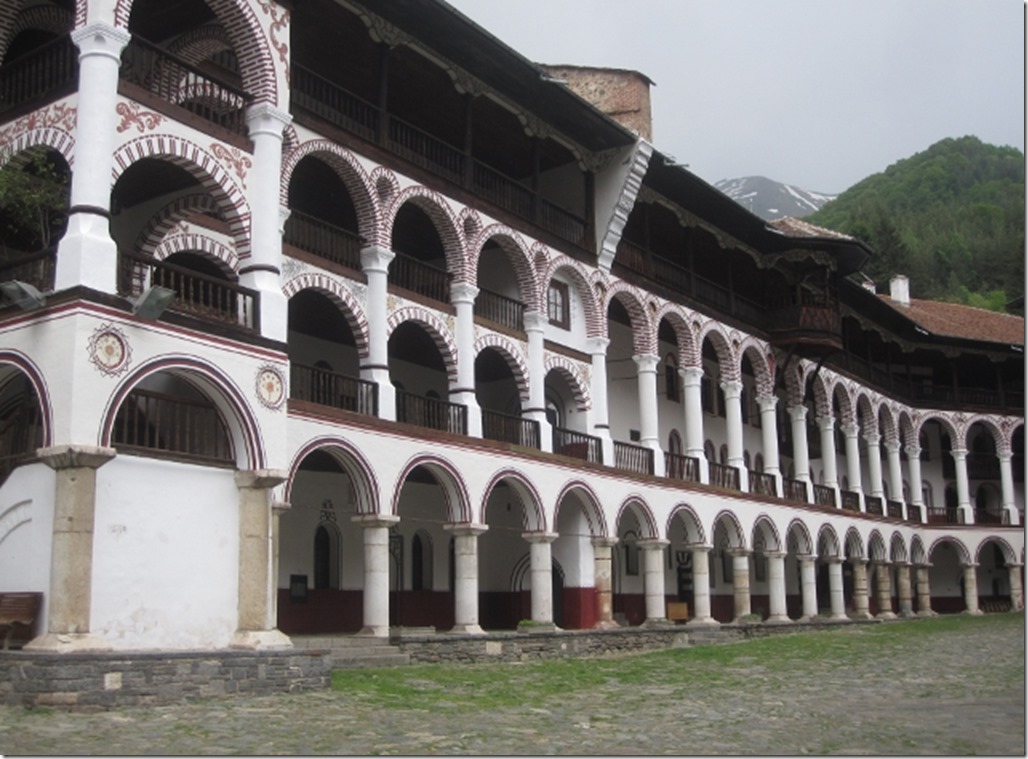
x=770 y=199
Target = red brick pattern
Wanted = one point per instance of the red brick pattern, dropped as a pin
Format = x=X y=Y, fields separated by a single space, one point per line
x=573 y=374
x=440 y=333
x=343 y=299
x=512 y=355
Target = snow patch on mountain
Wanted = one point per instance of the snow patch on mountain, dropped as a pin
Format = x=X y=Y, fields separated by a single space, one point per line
x=769 y=199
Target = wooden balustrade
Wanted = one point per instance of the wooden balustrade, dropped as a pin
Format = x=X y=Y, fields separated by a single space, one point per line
x=984 y=516
x=417 y=276
x=762 y=483
x=943 y=515
x=308 y=383
x=501 y=190
x=151 y=421
x=335 y=244
x=824 y=496
x=425 y=150
x=505 y=311
x=508 y=428
x=795 y=490
x=46 y=73
x=577 y=445
x=873 y=505
x=633 y=458
x=850 y=500
x=894 y=509
x=681 y=467
x=723 y=475
x=433 y=413
x=326 y=99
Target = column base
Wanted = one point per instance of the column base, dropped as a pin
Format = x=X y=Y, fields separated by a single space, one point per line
x=707 y=622
x=975 y=613
x=781 y=620
x=261 y=640
x=861 y=615
x=886 y=615
x=466 y=630
x=927 y=613
x=838 y=619
x=537 y=627
x=67 y=643
x=606 y=624
x=659 y=622
x=374 y=631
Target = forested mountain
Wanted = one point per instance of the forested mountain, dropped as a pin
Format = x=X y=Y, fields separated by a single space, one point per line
x=951 y=218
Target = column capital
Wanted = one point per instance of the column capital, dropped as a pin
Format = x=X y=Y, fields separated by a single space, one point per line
x=652 y=543
x=376 y=258
x=260 y=479
x=736 y=552
x=858 y=561
x=798 y=413
x=100 y=38
x=731 y=388
x=850 y=429
x=280 y=507
x=872 y=438
x=834 y=559
x=767 y=402
x=646 y=362
x=826 y=423
x=535 y=321
x=969 y=565
x=597 y=345
x=605 y=541
x=959 y=454
x=1006 y=456
x=892 y=446
x=691 y=374
x=375 y=520
x=75 y=456
x=775 y=554
x=912 y=451
x=699 y=548
x=539 y=537
x=264 y=118
x=465 y=528
x=809 y=557
x=463 y=292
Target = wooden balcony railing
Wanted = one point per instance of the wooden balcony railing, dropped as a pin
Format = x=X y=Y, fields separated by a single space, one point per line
x=795 y=490
x=723 y=475
x=433 y=413
x=873 y=505
x=36 y=269
x=943 y=515
x=500 y=309
x=179 y=83
x=850 y=500
x=824 y=496
x=46 y=73
x=508 y=428
x=331 y=102
x=762 y=483
x=323 y=239
x=633 y=458
x=577 y=445
x=21 y=433
x=417 y=276
x=984 y=516
x=184 y=427
x=502 y=191
x=425 y=150
x=197 y=294
x=308 y=383
x=894 y=509
x=681 y=467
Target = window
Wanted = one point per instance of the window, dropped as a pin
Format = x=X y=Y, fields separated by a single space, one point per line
x=708 y=451
x=744 y=406
x=720 y=401
x=758 y=463
x=723 y=454
x=707 y=395
x=926 y=494
x=421 y=561
x=671 y=384
x=557 y=307
x=674 y=442
x=631 y=554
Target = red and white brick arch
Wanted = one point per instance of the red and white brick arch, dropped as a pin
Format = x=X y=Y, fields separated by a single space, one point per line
x=202 y=244
x=438 y=210
x=517 y=252
x=165 y=219
x=53 y=126
x=533 y=517
x=644 y=332
x=727 y=359
x=440 y=333
x=762 y=359
x=573 y=272
x=572 y=373
x=343 y=299
x=678 y=318
x=512 y=355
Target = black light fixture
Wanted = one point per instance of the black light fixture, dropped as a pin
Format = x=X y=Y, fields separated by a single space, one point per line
x=152 y=303
x=22 y=294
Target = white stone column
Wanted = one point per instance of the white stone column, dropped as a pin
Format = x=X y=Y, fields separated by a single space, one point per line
x=769 y=438
x=71 y=554
x=924 y=591
x=693 y=406
x=701 y=586
x=777 y=610
x=916 y=507
x=741 y=582
x=829 y=456
x=462 y=295
x=257 y=583
x=971 y=588
x=861 y=607
x=852 y=433
x=800 y=448
x=808 y=586
x=963 y=487
x=262 y=270
x=836 y=592
x=1006 y=478
x=892 y=457
x=1016 y=589
x=278 y=508
x=535 y=325
x=86 y=254
x=465 y=576
x=375 y=262
x=601 y=405
x=376 y=572
x=883 y=588
x=904 y=590
x=541 y=575
x=646 y=375
x=733 y=427
x=874 y=465
x=603 y=577
x=653 y=578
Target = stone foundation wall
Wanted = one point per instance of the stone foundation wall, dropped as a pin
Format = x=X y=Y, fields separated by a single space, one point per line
x=103 y=680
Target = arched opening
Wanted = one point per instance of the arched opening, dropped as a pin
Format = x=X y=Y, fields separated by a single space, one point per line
x=322 y=218
x=21 y=422
x=499 y=397
x=33 y=214
x=418 y=371
x=499 y=298
x=946 y=578
x=420 y=262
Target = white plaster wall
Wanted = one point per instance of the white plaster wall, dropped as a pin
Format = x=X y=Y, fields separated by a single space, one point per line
x=165 y=555
x=26 y=532
x=573 y=550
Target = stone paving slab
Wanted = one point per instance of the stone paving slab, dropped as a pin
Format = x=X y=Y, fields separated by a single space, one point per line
x=958 y=692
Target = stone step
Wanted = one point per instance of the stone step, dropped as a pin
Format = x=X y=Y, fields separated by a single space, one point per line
x=350 y=651
x=333 y=642
x=395 y=659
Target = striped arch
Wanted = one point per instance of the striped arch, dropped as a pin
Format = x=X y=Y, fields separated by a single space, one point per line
x=765 y=532
x=197 y=45
x=876 y=549
x=57 y=133
x=733 y=529
x=678 y=319
x=470 y=222
x=918 y=555
x=897 y=548
x=512 y=355
x=8 y=18
x=965 y=555
x=694 y=532
x=439 y=332
x=956 y=435
x=198 y=242
x=799 y=532
x=794 y=380
x=517 y=253
x=866 y=414
x=728 y=363
x=250 y=43
x=533 y=515
x=828 y=545
x=166 y=218
x=854 y=544
x=447 y=476
x=45 y=18
x=350 y=172
x=590 y=503
x=635 y=504
x=204 y=167
x=887 y=426
x=341 y=296
x=991 y=424
x=905 y=429
x=572 y=272
x=1009 y=555
x=438 y=210
x=763 y=362
x=13 y=362
x=573 y=374
x=354 y=464
x=841 y=391
x=821 y=392
x=220 y=389
x=644 y=332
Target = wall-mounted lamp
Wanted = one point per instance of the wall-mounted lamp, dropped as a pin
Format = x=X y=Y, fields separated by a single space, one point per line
x=153 y=301
x=22 y=294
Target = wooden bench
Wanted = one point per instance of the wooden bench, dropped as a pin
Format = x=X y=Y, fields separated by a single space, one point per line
x=678 y=611
x=18 y=613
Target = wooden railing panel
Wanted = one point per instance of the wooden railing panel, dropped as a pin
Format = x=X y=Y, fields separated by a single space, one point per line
x=795 y=490
x=323 y=239
x=633 y=458
x=500 y=309
x=148 y=420
x=49 y=71
x=308 y=383
x=762 y=483
x=850 y=500
x=681 y=467
x=824 y=496
x=417 y=276
x=508 y=428
x=723 y=475
x=577 y=445
x=433 y=413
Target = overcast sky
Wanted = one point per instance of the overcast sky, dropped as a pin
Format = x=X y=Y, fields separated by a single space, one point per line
x=815 y=93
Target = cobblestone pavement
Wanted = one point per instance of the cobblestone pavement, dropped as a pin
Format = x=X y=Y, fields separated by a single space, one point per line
x=958 y=692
